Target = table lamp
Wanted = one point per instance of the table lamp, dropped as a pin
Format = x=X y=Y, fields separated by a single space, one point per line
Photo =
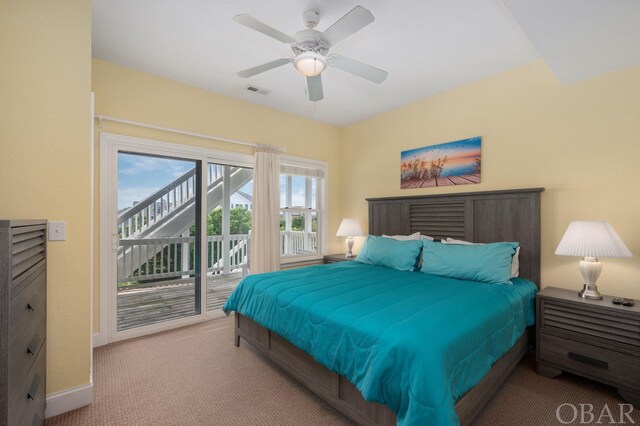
x=591 y=240
x=349 y=228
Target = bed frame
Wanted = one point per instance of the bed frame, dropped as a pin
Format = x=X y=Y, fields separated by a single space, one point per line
x=511 y=215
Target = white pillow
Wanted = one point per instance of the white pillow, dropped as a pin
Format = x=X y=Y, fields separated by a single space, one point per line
x=415 y=236
x=515 y=262
x=454 y=241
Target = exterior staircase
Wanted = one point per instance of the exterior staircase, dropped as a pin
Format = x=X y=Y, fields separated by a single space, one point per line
x=169 y=213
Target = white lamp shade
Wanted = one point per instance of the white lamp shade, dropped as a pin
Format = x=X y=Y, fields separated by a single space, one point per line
x=310 y=64
x=349 y=228
x=592 y=239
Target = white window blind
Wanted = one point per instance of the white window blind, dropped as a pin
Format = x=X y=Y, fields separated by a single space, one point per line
x=301 y=171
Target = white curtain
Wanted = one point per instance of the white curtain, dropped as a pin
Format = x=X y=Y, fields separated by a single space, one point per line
x=265 y=220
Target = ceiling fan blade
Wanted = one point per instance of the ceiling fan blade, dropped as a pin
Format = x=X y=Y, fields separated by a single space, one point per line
x=254 y=24
x=358 y=68
x=314 y=85
x=264 y=67
x=351 y=23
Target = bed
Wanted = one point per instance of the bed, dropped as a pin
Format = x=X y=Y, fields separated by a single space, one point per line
x=345 y=315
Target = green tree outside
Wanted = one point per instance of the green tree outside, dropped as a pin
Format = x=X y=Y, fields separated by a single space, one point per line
x=239 y=222
x=297 y=223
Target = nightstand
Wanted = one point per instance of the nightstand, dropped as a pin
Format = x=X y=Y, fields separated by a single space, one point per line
x=591 y=338
x=333 y=258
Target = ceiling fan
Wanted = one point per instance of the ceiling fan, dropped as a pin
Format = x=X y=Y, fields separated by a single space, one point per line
x=311 y=48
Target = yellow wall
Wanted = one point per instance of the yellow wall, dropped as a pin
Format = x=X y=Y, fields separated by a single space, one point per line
x=580 y=141
x=45 y=75
x=134 y=95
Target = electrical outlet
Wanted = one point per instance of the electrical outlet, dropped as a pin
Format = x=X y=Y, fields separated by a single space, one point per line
x=57 y=231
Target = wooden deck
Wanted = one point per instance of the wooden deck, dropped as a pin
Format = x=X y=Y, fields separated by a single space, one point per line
x=443 y=181
x=170 y=300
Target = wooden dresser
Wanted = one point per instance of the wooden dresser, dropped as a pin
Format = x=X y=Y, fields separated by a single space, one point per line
x=23 y=301
x=592 y=338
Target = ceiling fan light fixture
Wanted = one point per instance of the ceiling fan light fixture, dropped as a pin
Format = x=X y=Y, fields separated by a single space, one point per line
x=310 y=64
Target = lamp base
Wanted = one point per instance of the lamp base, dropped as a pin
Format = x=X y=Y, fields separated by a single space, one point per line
x=349 y=243
x=590 y=269
x=590 y=291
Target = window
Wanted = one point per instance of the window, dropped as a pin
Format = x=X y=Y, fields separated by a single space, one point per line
x=301 y=209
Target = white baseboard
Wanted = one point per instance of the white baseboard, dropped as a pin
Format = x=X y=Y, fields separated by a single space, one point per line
x=67 y=400
x=98 y=340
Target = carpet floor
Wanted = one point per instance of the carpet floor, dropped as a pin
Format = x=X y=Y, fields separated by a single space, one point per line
x=195 y=376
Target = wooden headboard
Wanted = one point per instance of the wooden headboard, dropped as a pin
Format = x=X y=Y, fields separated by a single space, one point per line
x=479 y=217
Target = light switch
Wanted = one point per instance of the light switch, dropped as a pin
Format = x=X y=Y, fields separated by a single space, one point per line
x=57 y=231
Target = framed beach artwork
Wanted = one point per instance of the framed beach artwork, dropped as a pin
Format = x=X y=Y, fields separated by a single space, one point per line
x=451 y=163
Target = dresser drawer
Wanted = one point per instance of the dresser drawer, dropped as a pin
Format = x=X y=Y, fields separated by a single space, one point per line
x=27 y=331
x=28 y=252
x=30 y=402
x=607 y=326
x=608 y=366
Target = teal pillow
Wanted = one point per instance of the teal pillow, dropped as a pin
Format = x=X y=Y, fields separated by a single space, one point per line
x=390 y=253
x=490 y=263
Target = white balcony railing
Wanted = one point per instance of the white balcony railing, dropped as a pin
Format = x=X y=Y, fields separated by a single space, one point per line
x=174 y=256
x=296 y=243
x=164 y=202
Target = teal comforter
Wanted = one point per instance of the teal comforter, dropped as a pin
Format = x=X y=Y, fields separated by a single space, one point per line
x=413 y=341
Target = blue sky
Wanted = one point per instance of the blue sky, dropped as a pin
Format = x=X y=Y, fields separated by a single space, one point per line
x=297 y=192
x=141 y=175
x=462 y=148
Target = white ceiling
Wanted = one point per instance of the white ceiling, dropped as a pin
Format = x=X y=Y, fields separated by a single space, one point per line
x=427 y=46
x=579 y=39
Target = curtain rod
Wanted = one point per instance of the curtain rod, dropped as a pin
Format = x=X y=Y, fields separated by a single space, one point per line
x=102 y=118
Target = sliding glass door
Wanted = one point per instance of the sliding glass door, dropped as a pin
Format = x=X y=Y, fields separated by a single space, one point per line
x=229 y=207
x=175 y=233
x=158 y=267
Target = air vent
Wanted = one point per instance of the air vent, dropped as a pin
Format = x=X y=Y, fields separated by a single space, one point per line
x=256 y=89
